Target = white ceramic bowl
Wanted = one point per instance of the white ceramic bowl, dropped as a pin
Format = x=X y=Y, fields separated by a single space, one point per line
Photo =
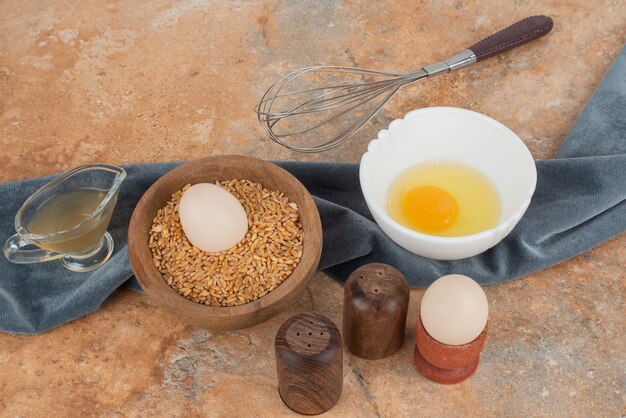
x=446 y=133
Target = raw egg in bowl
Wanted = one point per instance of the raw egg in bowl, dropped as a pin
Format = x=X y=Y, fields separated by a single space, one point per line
x=447 y=183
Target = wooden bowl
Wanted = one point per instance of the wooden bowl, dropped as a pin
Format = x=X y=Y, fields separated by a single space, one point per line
x=209 y=170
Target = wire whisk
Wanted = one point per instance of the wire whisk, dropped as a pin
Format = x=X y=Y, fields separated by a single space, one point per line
x=318 y=108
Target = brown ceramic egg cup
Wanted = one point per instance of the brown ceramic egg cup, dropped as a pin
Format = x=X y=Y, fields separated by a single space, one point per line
x=443 y=363
x=375 y=303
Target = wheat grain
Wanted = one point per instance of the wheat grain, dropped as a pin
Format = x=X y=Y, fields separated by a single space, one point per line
x=265 y=258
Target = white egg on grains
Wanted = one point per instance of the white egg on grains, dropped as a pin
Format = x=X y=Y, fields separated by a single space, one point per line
x=454 y=310
x=212 y=218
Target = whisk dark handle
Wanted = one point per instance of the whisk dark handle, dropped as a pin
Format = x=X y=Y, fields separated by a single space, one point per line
x=519 y=33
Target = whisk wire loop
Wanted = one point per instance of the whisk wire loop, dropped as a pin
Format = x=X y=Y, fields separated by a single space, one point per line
x=296 y=107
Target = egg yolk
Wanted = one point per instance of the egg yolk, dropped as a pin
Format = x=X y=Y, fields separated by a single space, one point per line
x=429 y=208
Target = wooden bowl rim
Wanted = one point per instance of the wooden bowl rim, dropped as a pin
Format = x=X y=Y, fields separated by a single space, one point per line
x=154 y=284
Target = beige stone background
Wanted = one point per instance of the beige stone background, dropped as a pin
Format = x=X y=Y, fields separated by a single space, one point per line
x=141 y=81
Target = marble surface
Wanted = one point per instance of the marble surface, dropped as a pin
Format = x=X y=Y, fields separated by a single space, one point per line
x=122 y=82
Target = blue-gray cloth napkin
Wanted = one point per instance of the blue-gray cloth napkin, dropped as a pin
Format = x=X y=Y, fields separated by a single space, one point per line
x=580 y=201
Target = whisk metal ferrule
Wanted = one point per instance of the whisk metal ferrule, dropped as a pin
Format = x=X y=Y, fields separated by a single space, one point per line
x=460 y=60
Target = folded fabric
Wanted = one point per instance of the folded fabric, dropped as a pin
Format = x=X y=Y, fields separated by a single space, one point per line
x=580 y=201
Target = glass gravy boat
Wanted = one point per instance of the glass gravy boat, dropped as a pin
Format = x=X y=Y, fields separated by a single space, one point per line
x=67 y=219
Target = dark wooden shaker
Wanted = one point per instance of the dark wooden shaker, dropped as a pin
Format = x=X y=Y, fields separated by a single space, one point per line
x=375 y=303
x=309 y=361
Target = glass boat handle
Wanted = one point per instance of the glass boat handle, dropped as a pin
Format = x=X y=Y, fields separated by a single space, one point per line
x=15 y=254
